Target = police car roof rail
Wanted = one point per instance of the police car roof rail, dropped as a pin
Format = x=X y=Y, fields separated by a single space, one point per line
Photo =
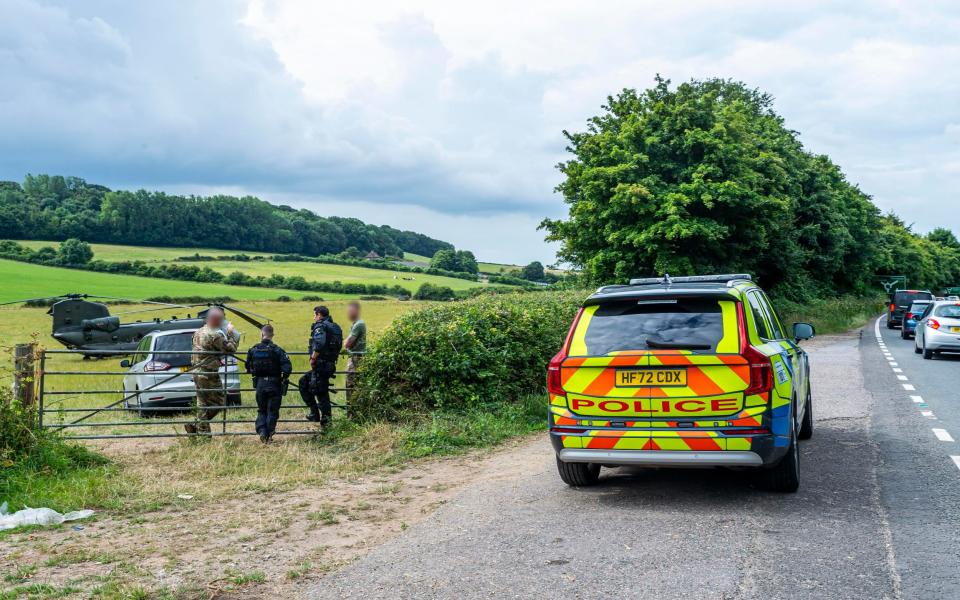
x=668 y=280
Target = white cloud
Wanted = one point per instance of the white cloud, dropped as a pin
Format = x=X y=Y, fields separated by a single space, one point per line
x=446 y=116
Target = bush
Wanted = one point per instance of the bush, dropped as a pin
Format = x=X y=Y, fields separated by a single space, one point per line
x=74 y=252
x=428 y=291
x=453 y=357
x=18 y=432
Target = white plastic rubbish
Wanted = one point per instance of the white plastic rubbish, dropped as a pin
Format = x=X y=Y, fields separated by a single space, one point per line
x=38 y=516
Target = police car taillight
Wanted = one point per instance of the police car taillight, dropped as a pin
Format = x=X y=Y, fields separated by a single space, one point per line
x=554 y=384
x=761 y=371
x=154 y=366
x=554 y=381
x=933 y=324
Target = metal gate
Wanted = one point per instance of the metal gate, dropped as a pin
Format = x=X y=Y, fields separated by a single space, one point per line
x=78 y=394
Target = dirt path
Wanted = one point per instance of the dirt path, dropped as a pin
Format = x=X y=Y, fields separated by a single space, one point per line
x=259 y=545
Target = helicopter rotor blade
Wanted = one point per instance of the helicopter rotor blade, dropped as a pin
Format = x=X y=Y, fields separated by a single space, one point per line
x=136 y=301
x=31 y=300
x=143 y=310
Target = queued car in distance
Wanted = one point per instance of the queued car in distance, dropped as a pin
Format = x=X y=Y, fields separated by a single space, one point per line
x=938 y=329
x=900 y=302
x=688 y=371
x=910 y=318
x=153 y=368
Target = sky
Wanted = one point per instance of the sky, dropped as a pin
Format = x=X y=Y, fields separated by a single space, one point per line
x=447 y=117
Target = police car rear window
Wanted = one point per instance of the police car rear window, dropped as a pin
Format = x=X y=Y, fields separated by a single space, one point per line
x=170 y=343
x=694 y=324
x=947 y=310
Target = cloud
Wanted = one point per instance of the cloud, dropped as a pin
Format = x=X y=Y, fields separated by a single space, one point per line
x=453 y=112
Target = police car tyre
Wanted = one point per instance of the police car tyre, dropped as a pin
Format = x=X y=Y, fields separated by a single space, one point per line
x=916 y=348
x=578 y=474
x=806 y=427
x=927 y=354
x=785 y=475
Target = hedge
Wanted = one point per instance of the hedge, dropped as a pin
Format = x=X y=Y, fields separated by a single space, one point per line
x=487 y=349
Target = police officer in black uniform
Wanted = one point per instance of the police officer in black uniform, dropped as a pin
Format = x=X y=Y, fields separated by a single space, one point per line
x=326 y=341
x=270 y=367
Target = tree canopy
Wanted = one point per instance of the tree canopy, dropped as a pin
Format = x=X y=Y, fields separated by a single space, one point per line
x=705 y=178
x=52 y=207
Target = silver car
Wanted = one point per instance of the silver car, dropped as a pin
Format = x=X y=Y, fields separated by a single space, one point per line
x=938 y=329
x=152 y=384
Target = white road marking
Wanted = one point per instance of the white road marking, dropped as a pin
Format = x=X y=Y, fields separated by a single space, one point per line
x=909 y=387
x=903 y=378
x=928 y=414
x=890 y=359
x=956 y=460
x=895 y=370
x=943 y=435
x=917 y=399
x=894 y=364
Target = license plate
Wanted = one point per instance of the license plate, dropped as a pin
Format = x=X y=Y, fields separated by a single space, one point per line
x=184 y=369
x=651 y=377
x=955 y=329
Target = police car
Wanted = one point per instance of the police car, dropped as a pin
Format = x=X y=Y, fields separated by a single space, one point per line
x=684 y=371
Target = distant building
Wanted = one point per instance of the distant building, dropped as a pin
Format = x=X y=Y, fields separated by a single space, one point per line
x=372 y=255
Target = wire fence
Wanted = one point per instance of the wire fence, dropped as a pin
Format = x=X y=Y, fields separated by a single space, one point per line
x=79 y=395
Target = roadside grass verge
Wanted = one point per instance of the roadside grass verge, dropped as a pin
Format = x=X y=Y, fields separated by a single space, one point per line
x=70 y=477
x=61 y=476
x=832 y=315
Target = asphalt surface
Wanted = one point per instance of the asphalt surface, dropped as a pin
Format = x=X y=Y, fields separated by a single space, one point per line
x=876 y=515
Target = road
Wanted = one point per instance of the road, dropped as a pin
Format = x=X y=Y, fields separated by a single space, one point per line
x=876 y=517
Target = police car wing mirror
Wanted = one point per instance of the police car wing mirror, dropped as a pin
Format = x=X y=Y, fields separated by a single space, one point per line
x=803 y=331
x=125 y=363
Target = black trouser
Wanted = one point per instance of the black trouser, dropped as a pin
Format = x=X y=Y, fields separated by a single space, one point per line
x=269 y=397
x=315 y=390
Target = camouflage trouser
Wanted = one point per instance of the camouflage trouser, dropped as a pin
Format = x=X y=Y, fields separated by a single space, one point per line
x=353 y=363
x=210 y=392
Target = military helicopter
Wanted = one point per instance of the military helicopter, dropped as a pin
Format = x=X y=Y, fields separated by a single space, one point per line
x=81 y=324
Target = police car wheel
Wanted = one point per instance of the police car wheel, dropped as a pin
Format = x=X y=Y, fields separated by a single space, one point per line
x=927 y=354
x=578 y=474
x=806 y=427
x=785 y=475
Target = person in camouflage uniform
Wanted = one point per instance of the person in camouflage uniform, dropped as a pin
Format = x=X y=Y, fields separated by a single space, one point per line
x=210 y=391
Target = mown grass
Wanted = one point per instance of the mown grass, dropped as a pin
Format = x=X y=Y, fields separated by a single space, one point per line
x=309 y=271
x=25 y=280
x=832 y=315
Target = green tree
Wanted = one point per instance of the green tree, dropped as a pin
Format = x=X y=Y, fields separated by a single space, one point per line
x=705 y=178
x=533 y=272
x=944 y=237
x=74 y=252
x=446 y=259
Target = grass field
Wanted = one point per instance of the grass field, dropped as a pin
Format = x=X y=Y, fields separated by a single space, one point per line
x=291 y=320
x=24 y=280
x=309 y=271
x=113 y=252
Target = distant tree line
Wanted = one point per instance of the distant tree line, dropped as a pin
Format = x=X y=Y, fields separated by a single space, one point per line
x=53 y=207
x=705 y=178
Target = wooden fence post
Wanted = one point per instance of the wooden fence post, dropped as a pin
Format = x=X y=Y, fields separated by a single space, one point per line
x=24 y=375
